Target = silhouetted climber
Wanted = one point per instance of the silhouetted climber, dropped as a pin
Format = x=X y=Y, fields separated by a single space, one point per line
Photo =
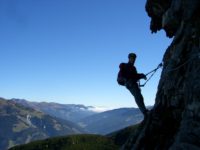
x=129 y=77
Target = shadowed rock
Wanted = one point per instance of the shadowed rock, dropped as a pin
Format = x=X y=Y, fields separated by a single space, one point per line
x=174 y=122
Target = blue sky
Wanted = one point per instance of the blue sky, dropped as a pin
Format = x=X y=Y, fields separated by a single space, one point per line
x=68 y=51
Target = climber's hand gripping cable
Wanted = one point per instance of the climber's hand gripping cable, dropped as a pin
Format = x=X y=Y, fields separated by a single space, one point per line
x=153 y=72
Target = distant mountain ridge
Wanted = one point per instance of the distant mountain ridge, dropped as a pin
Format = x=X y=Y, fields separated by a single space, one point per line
x=20 y=124
x=71 y=112
x=112 y=120
x=92 y=122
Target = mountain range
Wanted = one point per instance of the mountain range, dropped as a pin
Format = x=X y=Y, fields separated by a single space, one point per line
x=23 y=121
x=69 y=112
x=85 y=116
x=21 y=125
x=112 y=120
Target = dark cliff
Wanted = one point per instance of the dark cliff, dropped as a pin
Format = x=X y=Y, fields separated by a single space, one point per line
x=174 y=122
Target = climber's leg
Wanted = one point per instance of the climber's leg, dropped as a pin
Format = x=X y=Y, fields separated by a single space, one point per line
x=136 y=92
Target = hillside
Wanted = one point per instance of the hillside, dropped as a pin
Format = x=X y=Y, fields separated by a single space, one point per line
x=120 y=137
x=112 y=141
x=112 y=120
x=75 y=142
x=21 y=125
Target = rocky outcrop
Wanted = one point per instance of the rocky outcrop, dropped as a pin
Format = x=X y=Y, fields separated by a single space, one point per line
x=174 y=122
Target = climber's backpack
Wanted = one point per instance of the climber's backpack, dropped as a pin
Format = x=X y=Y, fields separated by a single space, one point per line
x=120 y=78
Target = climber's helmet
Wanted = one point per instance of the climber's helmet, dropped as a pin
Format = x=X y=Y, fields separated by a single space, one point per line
x=132 y=55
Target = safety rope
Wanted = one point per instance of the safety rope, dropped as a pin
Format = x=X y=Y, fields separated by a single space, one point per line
x=160 y=65
x=187 y=61
x=153 y=72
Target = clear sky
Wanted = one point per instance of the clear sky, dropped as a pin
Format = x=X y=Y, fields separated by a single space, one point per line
x=68 y=51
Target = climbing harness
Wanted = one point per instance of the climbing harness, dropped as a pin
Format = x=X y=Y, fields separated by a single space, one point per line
x=152 y=73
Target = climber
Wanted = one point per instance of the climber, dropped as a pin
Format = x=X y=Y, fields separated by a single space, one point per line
x=129 y=77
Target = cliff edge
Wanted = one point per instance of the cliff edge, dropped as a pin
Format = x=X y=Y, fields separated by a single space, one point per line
x=174 y=121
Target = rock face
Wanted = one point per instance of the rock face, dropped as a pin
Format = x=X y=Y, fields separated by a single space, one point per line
x=174 y=122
